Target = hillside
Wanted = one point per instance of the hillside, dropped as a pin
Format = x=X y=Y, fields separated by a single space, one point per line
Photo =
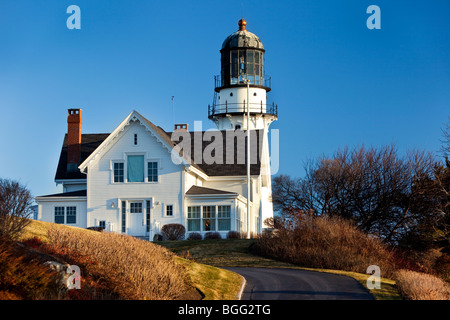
x=123 y=267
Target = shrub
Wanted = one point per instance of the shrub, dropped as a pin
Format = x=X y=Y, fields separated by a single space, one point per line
x=100 y=229
x=324 y=242
x=233 y=235
x=420 y=286
x=158 y=237
x=195 y=236
x=23 y=274
x=173 y=231
x=15 y=208
x=212 y=235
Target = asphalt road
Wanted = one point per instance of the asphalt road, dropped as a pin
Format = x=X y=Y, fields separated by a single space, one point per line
x=295 y=284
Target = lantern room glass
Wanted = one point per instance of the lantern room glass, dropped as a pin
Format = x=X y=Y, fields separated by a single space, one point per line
x=241 y=64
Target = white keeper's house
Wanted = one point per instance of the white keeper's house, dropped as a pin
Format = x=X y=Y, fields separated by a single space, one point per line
x=139 y=177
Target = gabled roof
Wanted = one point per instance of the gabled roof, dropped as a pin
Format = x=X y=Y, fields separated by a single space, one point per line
x=89 y=142
x=92 y=144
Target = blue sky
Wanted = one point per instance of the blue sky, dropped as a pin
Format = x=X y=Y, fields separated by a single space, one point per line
x=336 y=82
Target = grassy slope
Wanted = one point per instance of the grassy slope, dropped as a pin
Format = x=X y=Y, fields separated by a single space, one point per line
x=216 y=283
x=213 y=282
x=234 y=253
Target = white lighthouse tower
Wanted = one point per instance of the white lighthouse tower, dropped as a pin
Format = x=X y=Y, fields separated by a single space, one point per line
x=242 y=60
x=240 y=101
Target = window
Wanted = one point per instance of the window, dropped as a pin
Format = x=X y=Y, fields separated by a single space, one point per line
x=224 y=218
x=209 y=218
x=248 y=62
x=136 y=207
x=102 y=224
x=135 y=139
x=193 y=223
x=118 y=172
x=71 y=215
x=148 y=205
x=124 y=216
x=135 y=169
x=59 y=214
x=169 y=210
x=152 y=171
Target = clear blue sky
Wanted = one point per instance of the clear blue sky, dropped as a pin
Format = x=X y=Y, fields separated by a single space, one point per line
x=336 y=82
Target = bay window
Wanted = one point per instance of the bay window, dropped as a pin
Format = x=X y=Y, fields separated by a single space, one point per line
x=209 y=218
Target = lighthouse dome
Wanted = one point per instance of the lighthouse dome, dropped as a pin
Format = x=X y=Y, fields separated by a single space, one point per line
x=242 y=39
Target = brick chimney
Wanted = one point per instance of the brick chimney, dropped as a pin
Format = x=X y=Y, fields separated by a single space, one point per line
x=73 y=139
x=181 y=126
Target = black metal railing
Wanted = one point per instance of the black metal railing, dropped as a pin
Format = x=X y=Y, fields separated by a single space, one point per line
x=265 y=82
x=229 y=108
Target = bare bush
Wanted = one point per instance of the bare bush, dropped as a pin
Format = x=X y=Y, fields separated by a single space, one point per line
x=212 y=235
x=324 y=242
x=173 y=231
x=15 y=208
x=233 y=235
x=136 y=269
x=420 y=286
x=195 y=236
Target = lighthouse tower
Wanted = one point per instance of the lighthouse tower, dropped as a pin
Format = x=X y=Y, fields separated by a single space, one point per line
x=240 y=94
x=242 y=60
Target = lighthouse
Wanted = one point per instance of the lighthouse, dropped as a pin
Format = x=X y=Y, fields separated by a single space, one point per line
x=242 y=65
x=240 y=103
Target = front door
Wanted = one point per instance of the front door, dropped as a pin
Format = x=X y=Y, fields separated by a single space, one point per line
x=136 y=223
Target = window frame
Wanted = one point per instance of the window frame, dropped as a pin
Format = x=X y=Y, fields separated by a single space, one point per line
x=73 y=215
x=114 y=171
x=223 y=219
x=124 y=216
x=196 y=219
x=63 y=215
x=120 y=175
x=212 y=218
x=166 y=211
x=136 y=206
x=147 y=167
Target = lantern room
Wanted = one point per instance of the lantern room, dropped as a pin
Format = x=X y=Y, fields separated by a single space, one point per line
x=242 y=59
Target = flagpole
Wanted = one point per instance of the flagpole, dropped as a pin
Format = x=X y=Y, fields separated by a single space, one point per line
x=248 y=160
x=173 y=112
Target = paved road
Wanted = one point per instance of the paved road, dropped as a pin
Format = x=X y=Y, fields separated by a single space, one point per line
x=294 y=284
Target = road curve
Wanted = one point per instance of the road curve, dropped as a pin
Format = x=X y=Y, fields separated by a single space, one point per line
x=296 y=284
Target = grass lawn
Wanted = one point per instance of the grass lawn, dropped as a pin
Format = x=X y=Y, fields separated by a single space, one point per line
x=234 y=253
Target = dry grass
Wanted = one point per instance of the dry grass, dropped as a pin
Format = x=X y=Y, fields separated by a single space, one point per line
x=23 y=275
x=421 y=286
x=133 y=268
x=326 y=243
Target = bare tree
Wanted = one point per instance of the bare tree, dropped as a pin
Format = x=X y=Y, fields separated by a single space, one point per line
x=385 y=194
x=445 y=147
x=15 y=208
